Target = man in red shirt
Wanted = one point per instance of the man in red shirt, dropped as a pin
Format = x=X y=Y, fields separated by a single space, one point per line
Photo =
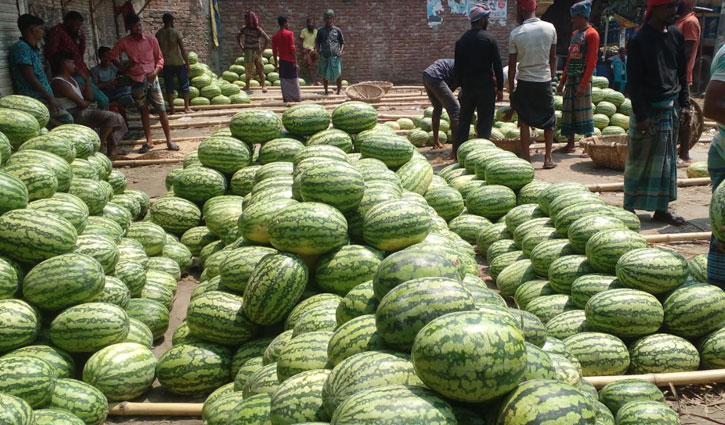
x=68 y=37
x=283 y=47
x=690 y=27
x=145 y=64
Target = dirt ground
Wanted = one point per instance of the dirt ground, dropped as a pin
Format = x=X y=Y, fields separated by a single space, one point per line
x=696 y=405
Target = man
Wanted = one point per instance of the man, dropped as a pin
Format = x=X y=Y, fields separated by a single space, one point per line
x=69 y=37
x=285 y=62
x=619 y=70
x=329 y=45
x=105 y=77
x=308 y=37
x=576 y=82
x=657 y=73
x=533 y=46
x=715 y=110
x=145 y=64
x=690 y=27
x=477 y=61
x=176 y=62
x=248 y=38
x=440 y=82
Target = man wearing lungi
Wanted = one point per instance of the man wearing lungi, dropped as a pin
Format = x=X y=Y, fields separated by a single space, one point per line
x=715 y=110
x=477 y=61
x=533 y=46
x=657 y=74
x=283 y=49
x=440 y=82
x=330 y=44
x=576 y=82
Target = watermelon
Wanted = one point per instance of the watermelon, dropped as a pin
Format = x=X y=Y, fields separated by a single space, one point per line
x=567 y=371
x=646 y=413
x=390 y=404
x=565 y=270
x=528 y=291
x=262 y=381
x=306 y=120
x=370 y=369
x=512 y=173
x=194 y=369
x=199 y=184
x=712 y=349
x=585 y=287
x=411 y=263
x=249 y=350
x=152 y=313
x=76 y=214
x=521 y=214
x=343 y=183
x=341 y=270
x=466 y=370
x=697 y=169
x=557 y=189
x=82 y=168
x=653 y=270
x=80 y=399
x=175 y=215
x=618 y=393
x=303 y=353
x=14 y=193
x=394 y=151
x=63 y=281
x=606 y=247
x=695 y=310
x=583 y=228
x=89 y=327
x=139 y=333
x=274 y=287
x=600 y=354
x=445 y=200
x=215 y=317
x=605 y=312
x=29 y=105
x=39 y=179
x=492 y=201
x=468 y=226
x=320 y=152
x=512 y=276
x=18 y=126
x=56 y=417
x=246 y=370
x=354 y=117
x=540 y=400
x=256 y=126
x=355 y=336
x=566 y=324
x=271 y=353
x=283 y=149
x=549 y=306
x=29 y=378
x=393 y=225
x=299 y=400
x=416 y=175
x=230 y=409
x=15 y=411
x=308 y=228
x=663 y=353
x=31 y=236
x=698 y=268
x=62 y=363
x=537 y=236
x=62 y=169
x=224 y=154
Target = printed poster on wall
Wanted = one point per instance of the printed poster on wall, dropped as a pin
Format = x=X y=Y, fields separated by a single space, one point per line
x=435 y=8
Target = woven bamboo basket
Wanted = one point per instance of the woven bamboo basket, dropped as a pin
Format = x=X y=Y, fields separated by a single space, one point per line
x=511 y=145
x=365 y=92
x=607 y=151
x=385 y=85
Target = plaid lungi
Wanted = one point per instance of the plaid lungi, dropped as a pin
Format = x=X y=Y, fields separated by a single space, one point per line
x=650 y=174
x=716 y=168
x=577 y=115
x=330 y=67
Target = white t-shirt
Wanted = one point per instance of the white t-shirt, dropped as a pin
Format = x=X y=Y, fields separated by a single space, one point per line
x=531 y=42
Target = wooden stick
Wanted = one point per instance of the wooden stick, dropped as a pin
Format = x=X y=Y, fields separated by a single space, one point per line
x=618 y=187
x=678 y=237
x=139 y=162
x=160 y=141
x=155 y=409
x=664 y=379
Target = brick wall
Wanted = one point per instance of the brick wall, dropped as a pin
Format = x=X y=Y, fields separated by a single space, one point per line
x=386 y=40
x=191 y=17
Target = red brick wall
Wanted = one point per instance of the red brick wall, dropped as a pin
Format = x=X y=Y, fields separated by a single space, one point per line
x=191 y=17
x=385 y=40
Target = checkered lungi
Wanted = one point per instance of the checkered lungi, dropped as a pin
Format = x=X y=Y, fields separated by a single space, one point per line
x=577 y=114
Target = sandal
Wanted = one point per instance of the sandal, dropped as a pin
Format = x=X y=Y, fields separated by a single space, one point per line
x=172 y=146
x=669 y=218
x=145 y=148
x=549 y=166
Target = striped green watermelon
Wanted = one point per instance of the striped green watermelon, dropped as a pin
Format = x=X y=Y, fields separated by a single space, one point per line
x=239 y=264
x=271 y=353
x=557 y=189
x=491 y=234
x=15 y=411
x=280 y=150
x=335 y=183
x=319 y=318
x=354 y=117
x=249 y=350
x=341 y=270
x=118 y=214
x=529 y=291
x=256 y=126
x=585 y=287
x=393 y=225
x=197 y=238
x=39 y=179
x=199 y=184
x=512 y=173
x=320 y=152
x=10 y=277
x=565 y=270
x=150 y=235
x=18 y=126
x=81 y=399
x=332 y=137
x=82 y=168
x=566 y=324
x=152 y=313
x=663 y=353
x=194 y=369
x=416 y=175
x=569 y=199
x=29 y=378
x=445 y=200
x=209 y=408
x=529 y=194
x=132 y=250
x=215 y=317
x=14 y=193
x=224 y=154
x=129 y=202
x=179 y=253
x=606 y=247
x=354 y=336
x=605 y=312
x=118 y=181
x=554 y=346
x=521 y=214
x=88 y=327
x=394 y=151
x=245 y=372
x=31 y=236
x=27 y=104
x=175 y=215
x=698 y=267
x=132 y=274
x=274 y=287
x=63 y=281
x=647 y=413
x=303 y=353
x=464 y=369
x=582 y=229
x=74 y=213
x=477 y=161
x=56 y=417
x=156 y=291
x=600 y=354
x=618 y=393
x=370 y=369
x=391 y=404
x=230 y=408
x=712 y=349
x=242 y=181
x=412 y=263
x=482 y=295
x=262 y=381
x=360 y=300
x=540 y=401
x=255 y=220
x=63 y=170
x=139 y=333
x=538 y=364
x=19 y=324
x=568 y=369
x=324 y=301
x=653 y=270
x=298 y=399
x=537 y=236
x=491 y=201
x=511 y=277
x=504 y=260
x=531 y=326
x=695 y=310
x=549 y=306
x=306 y=120
x=165 y=265
x=470 y=146
x=62 y=362
x=630 y=219
x=91 y=192
x=569 y=215
x=85 y=139
x=308 y=228
x=468 y=226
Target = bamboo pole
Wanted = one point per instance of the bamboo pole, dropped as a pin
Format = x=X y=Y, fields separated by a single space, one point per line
x=155 y=409
x=140 y=162
x=664 y=379
x=160 y=141
x=618 y=187
x=678 y=237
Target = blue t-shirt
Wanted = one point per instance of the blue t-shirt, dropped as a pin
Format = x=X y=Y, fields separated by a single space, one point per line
x=22 y=53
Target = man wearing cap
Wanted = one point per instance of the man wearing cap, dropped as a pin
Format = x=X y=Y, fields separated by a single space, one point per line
x=657 y=74
x=533 y=46
x=576 y=83
x=329 y=45
x=477 y=61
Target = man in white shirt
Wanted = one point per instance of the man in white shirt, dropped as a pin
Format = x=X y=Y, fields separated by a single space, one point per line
x=533 y=46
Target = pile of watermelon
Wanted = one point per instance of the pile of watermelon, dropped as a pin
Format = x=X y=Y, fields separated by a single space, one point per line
x=86 y=281
x=206 y=88
x=237 y=72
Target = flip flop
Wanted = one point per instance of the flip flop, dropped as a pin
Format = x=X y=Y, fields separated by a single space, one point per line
x=669 y=218
x=549 y=166
x=145 y=148
x=172 y=147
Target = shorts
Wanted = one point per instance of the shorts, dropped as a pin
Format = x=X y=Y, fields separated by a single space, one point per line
x=178 y=71
x=441 y=96
x=148 y=94
x=252 y=57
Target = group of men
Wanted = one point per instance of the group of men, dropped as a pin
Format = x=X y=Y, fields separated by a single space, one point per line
x=325 y=44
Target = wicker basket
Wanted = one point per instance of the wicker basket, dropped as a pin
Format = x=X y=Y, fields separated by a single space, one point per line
x=607 y=151
x=365 y=92
x=385 y=85
x=511 y=145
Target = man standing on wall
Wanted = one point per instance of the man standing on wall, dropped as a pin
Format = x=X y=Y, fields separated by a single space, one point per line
x=310 y=56
x=69 y=37
x=176 y=62
x=533 y=46
x=576 y=82
x=248 y=39
x=440 y=82
x=690 y=27
x=329 y=45
x=283 y=48
x=657 y=71
x=145 y=64
x=477 y=61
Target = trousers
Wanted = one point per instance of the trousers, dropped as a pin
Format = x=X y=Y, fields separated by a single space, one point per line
x=481 y=100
